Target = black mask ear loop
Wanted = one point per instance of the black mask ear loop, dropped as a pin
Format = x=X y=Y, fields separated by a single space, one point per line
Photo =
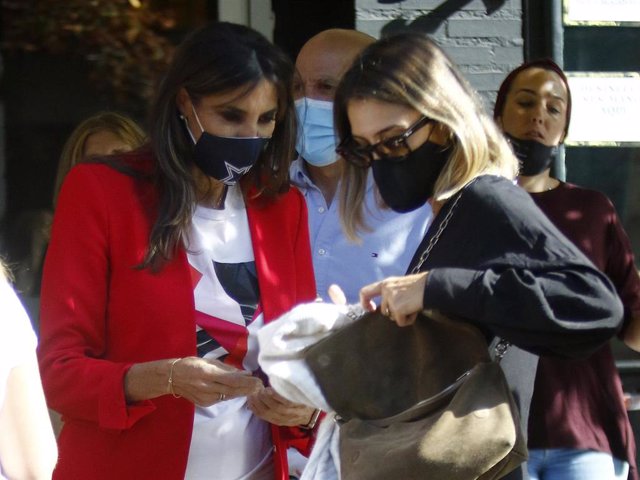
x=186 y=125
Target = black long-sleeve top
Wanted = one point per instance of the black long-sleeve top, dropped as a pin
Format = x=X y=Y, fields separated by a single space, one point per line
x=503 y=266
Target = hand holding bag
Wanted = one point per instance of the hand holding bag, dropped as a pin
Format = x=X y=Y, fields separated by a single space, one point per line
x=419 y=402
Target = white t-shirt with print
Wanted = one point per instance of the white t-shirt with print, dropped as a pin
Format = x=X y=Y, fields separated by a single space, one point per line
x=228 y=441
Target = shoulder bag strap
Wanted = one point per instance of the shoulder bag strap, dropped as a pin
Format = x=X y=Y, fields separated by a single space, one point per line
x=500 y=345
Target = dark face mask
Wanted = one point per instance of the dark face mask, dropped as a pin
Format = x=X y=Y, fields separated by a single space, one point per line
x=226 y=158
x=407 y=183
x=534 y=157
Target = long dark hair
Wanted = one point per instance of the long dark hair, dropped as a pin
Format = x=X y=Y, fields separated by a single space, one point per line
x=218 y=58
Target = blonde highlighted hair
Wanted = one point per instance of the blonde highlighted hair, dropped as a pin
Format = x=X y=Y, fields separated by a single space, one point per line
x=119 y=124
x=411 y=70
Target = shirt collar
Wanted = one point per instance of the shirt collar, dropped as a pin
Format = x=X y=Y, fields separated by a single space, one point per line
x=298 y=174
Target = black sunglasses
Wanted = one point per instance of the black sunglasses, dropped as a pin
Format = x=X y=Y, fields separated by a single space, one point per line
x=392 y=148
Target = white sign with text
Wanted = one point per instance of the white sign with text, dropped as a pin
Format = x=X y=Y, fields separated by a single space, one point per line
x=606 y=108
x=601 y=11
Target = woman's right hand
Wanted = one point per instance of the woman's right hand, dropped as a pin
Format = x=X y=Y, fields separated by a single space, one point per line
x=401 y=298
x=203 y=382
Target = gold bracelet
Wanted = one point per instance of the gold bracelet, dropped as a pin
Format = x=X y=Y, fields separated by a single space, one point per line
x=313 y=421
x=171 y=378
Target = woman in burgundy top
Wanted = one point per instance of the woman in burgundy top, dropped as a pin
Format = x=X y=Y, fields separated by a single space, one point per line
x=578 y=425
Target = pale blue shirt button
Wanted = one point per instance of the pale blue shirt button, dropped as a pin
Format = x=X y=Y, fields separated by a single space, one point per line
x=321 y=210
x=321 y=251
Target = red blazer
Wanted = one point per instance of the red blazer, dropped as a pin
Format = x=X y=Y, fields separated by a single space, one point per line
x=100 y=314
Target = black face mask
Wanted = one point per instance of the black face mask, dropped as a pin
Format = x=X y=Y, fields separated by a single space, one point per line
x=407 y=183
x=534 y=157
x=226 y=158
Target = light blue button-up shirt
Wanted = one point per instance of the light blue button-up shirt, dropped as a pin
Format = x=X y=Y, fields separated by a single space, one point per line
x=384 y=251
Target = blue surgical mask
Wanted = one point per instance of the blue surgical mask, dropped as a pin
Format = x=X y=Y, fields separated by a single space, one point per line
x=316 y=136
x=226 y=159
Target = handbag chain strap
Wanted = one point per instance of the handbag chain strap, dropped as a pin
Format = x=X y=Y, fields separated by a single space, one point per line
x=502 y=345
x=436 y=237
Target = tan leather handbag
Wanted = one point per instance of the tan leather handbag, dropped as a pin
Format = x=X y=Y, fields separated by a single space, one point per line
x=418 y=402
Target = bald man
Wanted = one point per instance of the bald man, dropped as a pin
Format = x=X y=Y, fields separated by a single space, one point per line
x=388 y=247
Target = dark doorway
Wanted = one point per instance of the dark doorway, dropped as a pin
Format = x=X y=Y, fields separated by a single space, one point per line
x=299 y=20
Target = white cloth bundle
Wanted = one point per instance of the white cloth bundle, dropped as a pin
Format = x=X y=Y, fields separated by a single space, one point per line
x=282 y=345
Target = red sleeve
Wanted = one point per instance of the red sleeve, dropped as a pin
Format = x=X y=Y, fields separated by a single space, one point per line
x=307 y=283
x=300 y=438
x=78 y=381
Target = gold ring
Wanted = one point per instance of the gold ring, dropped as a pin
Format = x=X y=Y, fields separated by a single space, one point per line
x=387 y=312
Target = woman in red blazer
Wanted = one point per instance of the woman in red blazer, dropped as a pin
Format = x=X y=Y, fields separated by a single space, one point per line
x=161 y=266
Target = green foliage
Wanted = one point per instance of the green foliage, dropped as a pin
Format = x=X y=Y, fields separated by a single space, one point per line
x=123 y=41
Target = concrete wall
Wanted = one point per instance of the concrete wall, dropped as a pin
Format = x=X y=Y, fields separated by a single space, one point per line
x=254 y=13
x=484 y=37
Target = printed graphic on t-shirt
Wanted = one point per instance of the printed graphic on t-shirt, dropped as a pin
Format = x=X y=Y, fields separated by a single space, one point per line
x=228 y=314
x=240 y=283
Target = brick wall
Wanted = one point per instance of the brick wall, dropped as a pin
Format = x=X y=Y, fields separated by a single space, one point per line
x=484 y=37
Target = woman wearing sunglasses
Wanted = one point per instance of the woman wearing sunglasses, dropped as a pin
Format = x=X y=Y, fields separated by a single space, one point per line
x=491 y=257
x=533 y=107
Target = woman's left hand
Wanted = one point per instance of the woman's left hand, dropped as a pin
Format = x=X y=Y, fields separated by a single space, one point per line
x=272 y=407
x=401 y=298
